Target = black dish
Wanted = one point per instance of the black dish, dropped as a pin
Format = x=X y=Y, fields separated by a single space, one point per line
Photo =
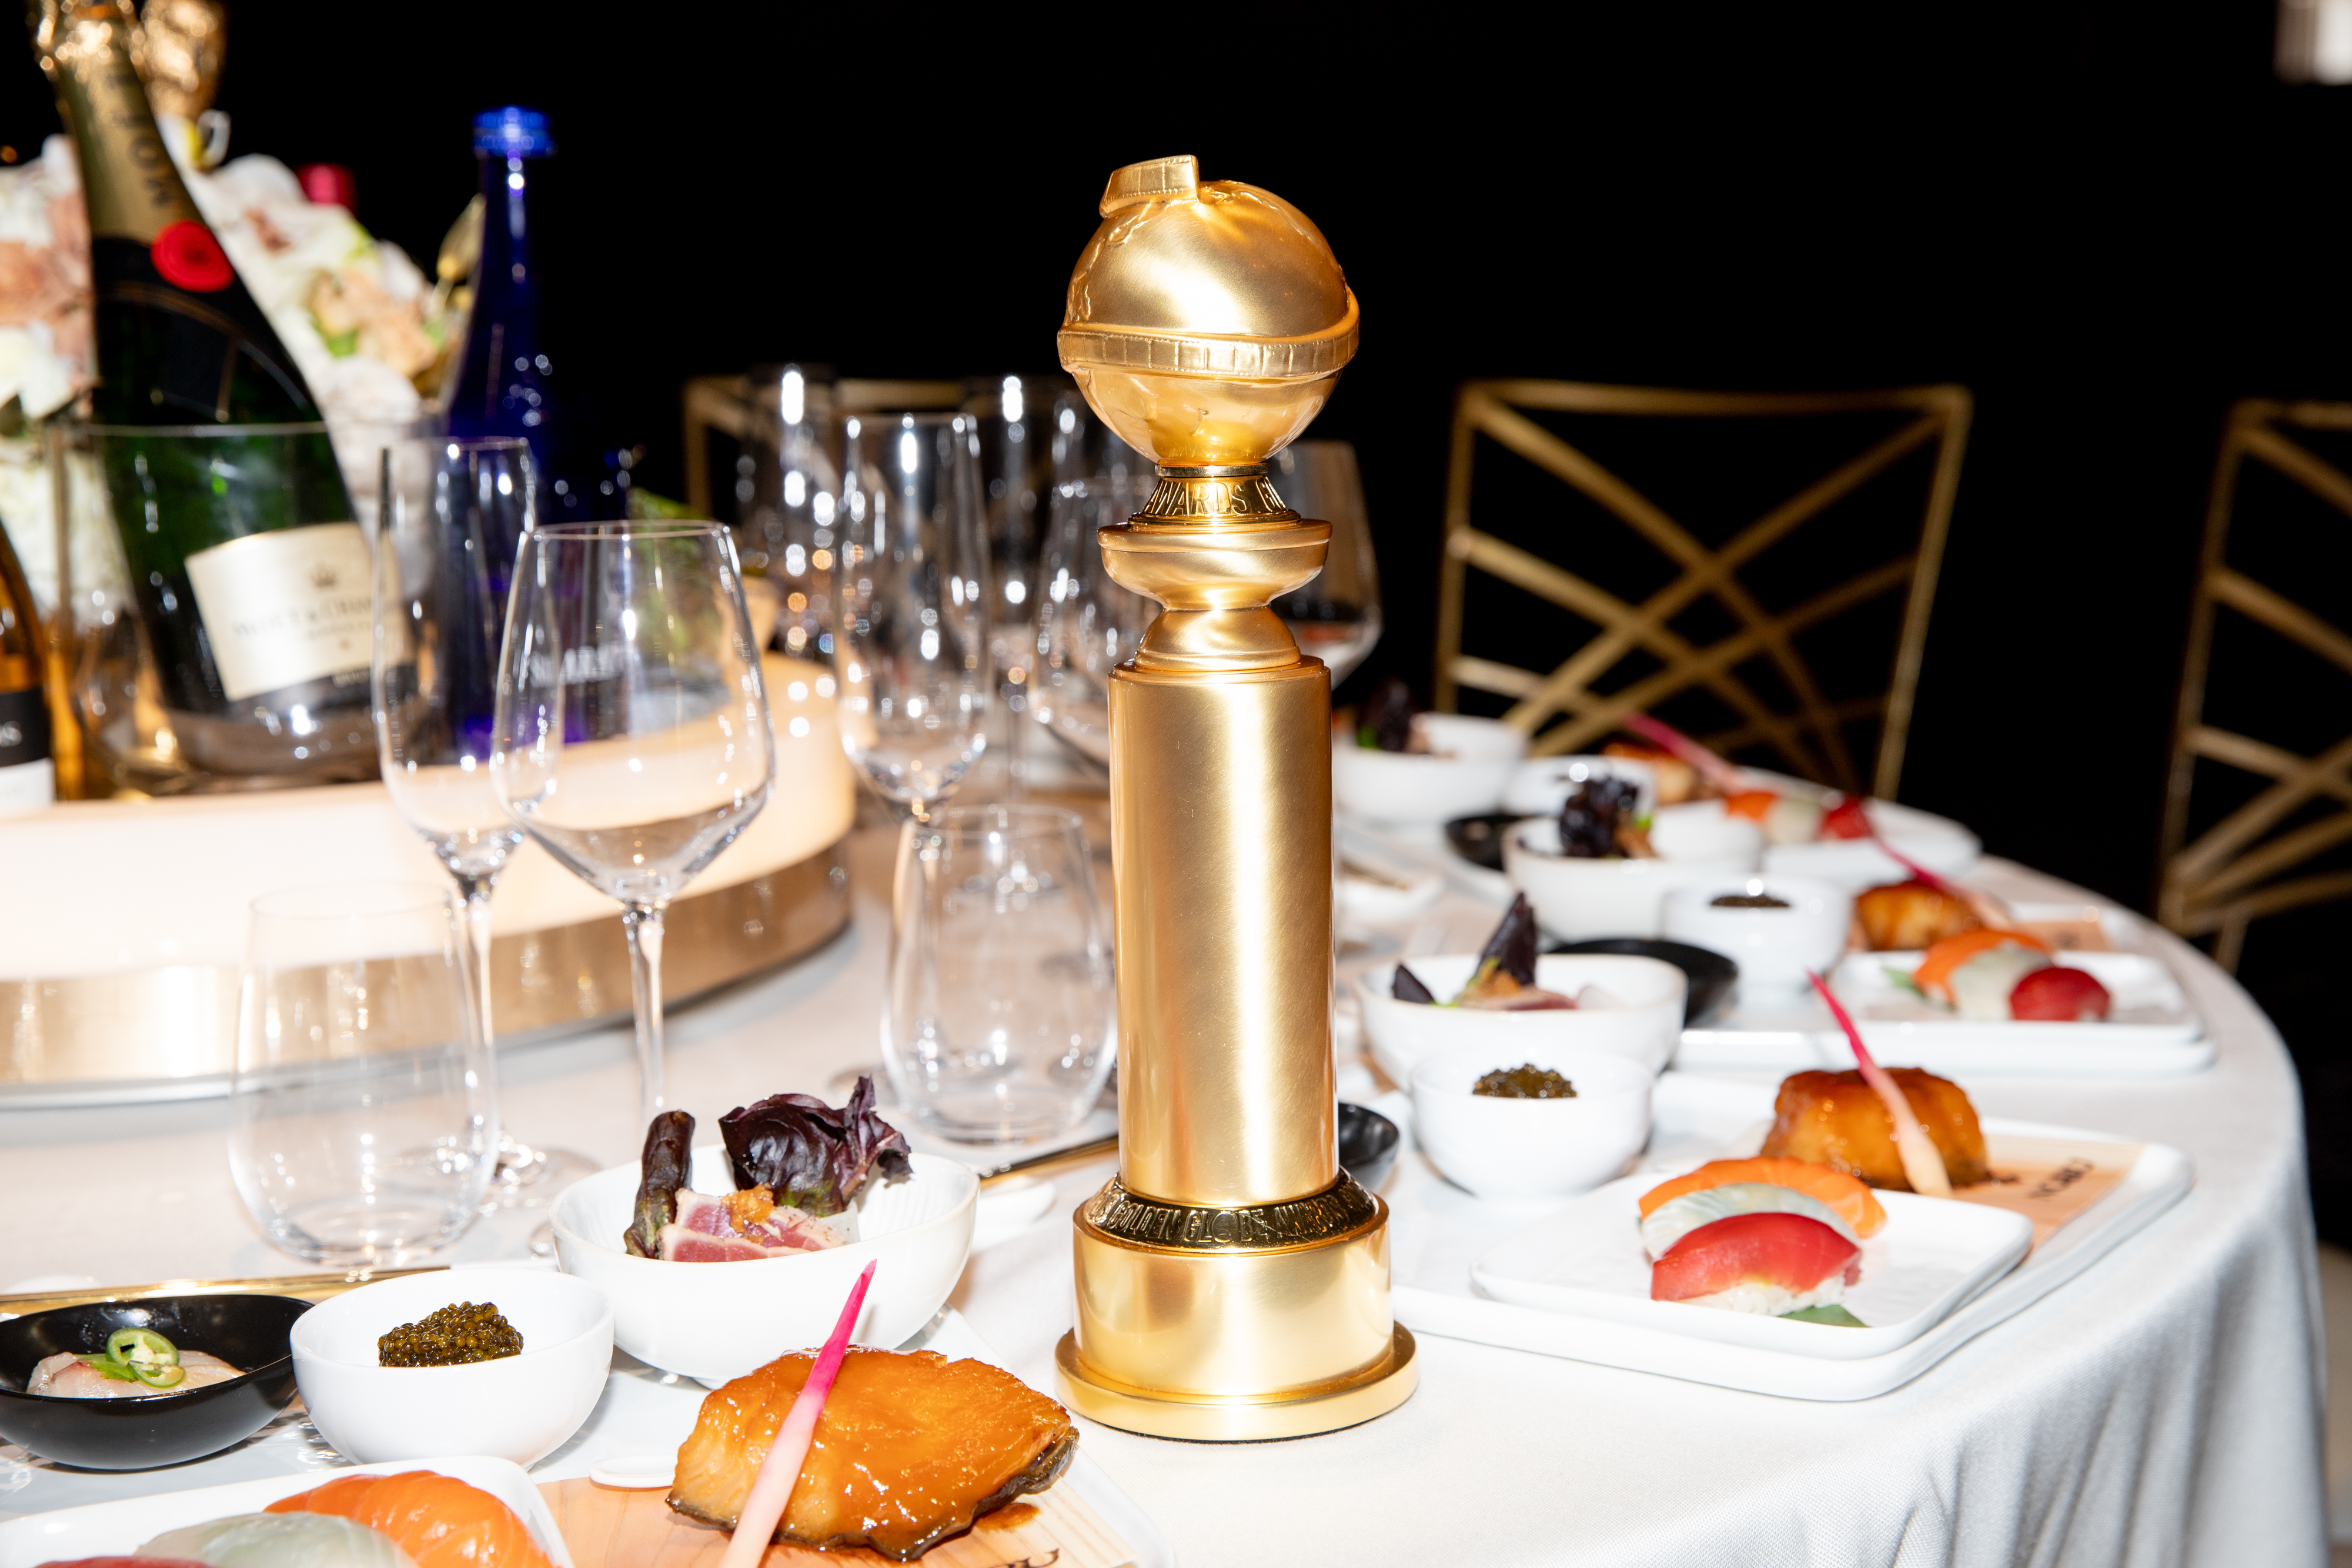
x=1479 y=839
x=251 y=1332
x=1712 y=974
x=1368 y=1144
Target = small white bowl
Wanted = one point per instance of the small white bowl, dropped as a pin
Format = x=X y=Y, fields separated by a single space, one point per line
x=1420 y=790
x=1698 y=846
x=1644 y=1029
x=1531 y=1148
x=1539 y=786
x=518 y=1407
x=1773 y=947
x=713 y=1321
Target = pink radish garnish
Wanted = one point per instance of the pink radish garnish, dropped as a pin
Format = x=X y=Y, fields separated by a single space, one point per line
x=1666 y=737
x=772 y=1487
x=1923 y=1167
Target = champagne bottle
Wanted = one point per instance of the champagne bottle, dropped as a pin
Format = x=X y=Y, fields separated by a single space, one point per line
x=507 y=385
x=250 y=570
x=27 y=775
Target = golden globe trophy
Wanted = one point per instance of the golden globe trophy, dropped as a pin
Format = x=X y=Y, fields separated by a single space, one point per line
x=1232 y=1282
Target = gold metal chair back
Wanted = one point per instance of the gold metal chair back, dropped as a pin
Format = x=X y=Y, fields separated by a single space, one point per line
x=1805 y=729
x=2257 y=859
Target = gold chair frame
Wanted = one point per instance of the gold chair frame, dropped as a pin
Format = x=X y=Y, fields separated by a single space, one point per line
x=2231 y=875
x=1811 y=740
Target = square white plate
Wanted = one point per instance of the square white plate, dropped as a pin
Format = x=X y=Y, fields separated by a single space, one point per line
x=1928 y=1259
x=118 y=1528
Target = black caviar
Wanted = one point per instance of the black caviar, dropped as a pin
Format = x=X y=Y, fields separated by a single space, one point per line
x=1528 y=1083
x=1749 y=901
x=451 y=1337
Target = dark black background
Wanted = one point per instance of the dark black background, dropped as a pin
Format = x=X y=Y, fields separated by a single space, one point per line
x=2107 y=220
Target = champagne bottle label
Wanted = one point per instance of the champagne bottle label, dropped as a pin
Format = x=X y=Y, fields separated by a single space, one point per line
x=27 y=777
x=285 y=607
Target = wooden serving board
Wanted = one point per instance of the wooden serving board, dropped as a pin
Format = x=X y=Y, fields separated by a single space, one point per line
x=2049 y=1180
x=610 y=1528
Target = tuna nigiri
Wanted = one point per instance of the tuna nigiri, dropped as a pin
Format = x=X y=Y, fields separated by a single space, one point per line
x=439 y=1521
x=1772 y=1264
x=1849 y=1195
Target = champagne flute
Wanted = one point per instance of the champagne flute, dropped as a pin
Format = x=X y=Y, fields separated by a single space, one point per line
x=451 y=515
x=1336 y=617
x=632 y=740
x=911 y=646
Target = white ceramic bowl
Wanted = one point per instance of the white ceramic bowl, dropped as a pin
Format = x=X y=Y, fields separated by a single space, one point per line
x=1773 y=947
x=518 y=1407
x=1698 y=846
x=1643 y=1030
x=1539 y=786
x=1531 y=1148
x=713 y=1321
x=1417 y=790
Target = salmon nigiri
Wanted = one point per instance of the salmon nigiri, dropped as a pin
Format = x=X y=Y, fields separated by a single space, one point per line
x=437 y=1520
x=1849 y=1195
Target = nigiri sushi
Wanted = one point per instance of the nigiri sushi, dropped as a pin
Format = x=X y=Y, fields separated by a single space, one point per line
x=129 y=1562
x=1670 y=1222
x=1849 y=1195
x=439 y=1521
x=280 y=1541
x=1771 y=1264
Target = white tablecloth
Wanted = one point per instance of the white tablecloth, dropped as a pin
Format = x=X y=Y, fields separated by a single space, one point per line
x=2165 y=1408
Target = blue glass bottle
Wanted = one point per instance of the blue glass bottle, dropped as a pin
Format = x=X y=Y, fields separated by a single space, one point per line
x=507 y=387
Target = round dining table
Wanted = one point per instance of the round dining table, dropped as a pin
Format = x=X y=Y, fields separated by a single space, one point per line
x=2162 y=1409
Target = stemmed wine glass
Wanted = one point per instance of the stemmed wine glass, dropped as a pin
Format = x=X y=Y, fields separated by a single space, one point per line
x=1087 y=624
x=450 y=515
x=1336 y=617
x=910 y=648
x=632 y=740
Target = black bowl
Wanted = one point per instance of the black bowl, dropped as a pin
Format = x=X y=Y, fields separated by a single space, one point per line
x=1368 y=1144
x=1479 y=839
x=251 y=1332
x=1712 y=974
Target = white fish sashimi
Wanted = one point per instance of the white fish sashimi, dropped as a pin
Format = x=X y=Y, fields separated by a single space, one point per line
x=1980 y=987
x=67 y=1376
x=1671 y=1221
x=280 y=1540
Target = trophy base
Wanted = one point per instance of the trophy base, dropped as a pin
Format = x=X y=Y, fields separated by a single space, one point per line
x=1240 y=1419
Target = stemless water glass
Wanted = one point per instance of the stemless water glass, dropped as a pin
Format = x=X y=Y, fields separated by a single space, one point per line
x=1336 y=617
x=365 y=1120
x=452 y=514
x=1000 y=1024
x=910 y=648
x=632 y=739
x=1087 y=625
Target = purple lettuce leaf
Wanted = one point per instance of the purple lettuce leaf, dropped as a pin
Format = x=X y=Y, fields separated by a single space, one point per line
x=808 y=1153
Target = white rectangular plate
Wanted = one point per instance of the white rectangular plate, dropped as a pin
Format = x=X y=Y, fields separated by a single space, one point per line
x=1929 y=1257
x=1437 y=1300
x=2153 y=1034
x=112 y=1529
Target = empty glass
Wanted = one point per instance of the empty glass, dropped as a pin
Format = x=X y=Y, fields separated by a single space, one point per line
x=788 y=483
x=1336 y=617
x=1087 y=624
x=452 y=514
x=910 y=646
x=632 y=738
x=365 y=1120
x=1014 y=416
x=1000 y=1022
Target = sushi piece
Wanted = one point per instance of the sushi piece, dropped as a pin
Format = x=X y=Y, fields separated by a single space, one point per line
x=1771 y=1264
x=437 y=1520
x=1837 y=1119
x=1671 y=1221
x=280 y=1541
x=128 y=1563
x=2060 y=995
x=1849 y=1196
x=1934 y=975
x=912 y=1448
x=1981 y=988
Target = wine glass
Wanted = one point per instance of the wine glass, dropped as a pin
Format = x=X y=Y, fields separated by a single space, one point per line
x=632 y=739
x=363 y=1121
x=451 y=515
x=1336 y=617
x=789 y=482
x=1015 y=417
x=1087 y=624
x=910 y=646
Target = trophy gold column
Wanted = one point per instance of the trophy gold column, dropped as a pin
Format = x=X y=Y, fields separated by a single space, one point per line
x=1232 y=1281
